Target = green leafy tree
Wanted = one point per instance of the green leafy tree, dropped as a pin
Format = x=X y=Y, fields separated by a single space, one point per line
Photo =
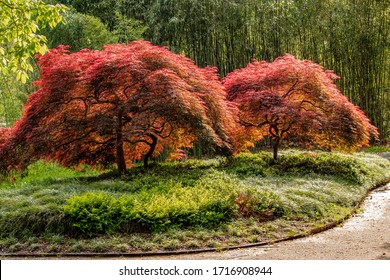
x=80 y=31
x=120 y=16
x=128 y=29
x=20 y=24
x=103 y=9
x=13 y=94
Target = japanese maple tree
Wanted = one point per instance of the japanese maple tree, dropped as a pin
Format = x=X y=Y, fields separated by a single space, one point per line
x=121 y=104
x=298 y=98
x=5 y=133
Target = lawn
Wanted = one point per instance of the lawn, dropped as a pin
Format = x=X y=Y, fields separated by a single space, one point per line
x=185 y=205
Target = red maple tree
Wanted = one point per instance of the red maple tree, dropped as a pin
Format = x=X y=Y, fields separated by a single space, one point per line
x=5 y=133
x=118 y=105
x=297 y=98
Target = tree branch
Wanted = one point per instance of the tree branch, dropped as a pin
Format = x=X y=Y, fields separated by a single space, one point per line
x=314 y=105
x=73 y=140
x=287 y=129
x=291 y=89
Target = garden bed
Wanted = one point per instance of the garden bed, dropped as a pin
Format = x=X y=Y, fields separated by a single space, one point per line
x=194 y=204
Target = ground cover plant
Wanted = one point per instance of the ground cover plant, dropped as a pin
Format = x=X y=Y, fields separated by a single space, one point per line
x=182 y=205
x=377 y=149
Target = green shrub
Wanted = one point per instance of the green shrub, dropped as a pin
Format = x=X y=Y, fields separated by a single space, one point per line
x=207 y=203
x=94 y=213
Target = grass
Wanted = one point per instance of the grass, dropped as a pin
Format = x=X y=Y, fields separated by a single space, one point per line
x=182 y=205
x=377 y=149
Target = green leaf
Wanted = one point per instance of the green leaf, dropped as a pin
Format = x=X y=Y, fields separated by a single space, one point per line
x=20 y=21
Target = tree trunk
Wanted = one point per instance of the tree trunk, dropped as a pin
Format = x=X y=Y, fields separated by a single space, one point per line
x=151 y=150
x=120 y=154
x=276 y=147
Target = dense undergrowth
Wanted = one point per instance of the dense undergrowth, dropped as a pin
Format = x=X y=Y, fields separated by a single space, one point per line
x=246 y=199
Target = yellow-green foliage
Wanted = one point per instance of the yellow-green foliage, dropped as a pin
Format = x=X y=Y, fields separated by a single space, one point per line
x=209 y=202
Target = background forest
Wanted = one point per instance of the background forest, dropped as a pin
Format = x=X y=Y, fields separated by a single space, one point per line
x=349 y=36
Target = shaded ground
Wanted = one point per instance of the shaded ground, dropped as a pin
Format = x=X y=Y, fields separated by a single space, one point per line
x=365 y=236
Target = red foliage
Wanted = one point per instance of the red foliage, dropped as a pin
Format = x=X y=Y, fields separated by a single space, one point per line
x=118 y=105
x=5 y=133
x=298 y=98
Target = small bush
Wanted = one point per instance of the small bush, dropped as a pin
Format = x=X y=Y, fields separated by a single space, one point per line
x=94 y=213
x=208 y=203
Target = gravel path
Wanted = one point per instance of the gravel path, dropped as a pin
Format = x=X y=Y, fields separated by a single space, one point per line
x=365 y=236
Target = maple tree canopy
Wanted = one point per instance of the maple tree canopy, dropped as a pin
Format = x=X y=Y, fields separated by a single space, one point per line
x=296 y=98
x=118 y=105
x=5 y=133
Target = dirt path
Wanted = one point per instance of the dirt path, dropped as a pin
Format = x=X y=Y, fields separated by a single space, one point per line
x=365 y=236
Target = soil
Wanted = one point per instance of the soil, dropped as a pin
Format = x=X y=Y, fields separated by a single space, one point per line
x=365 y=236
